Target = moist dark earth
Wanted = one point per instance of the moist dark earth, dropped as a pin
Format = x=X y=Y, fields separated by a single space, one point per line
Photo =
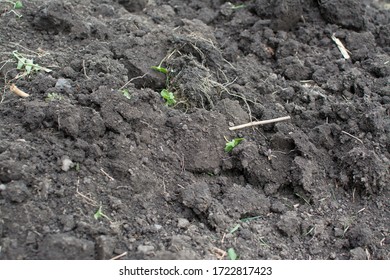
x=95 y=132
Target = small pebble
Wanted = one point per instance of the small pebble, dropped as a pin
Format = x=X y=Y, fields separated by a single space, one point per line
x=145 y=248
x=62 y=84
x=182 y=223
x=66 y=164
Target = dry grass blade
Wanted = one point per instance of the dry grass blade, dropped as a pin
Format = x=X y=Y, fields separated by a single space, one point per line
x=354 y=137
x=341 y=47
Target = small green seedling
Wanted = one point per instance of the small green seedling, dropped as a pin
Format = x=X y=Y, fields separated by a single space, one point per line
x=237 y=7
x=160 y=69
x=126 y=93
x=17 y=5
x=230 y=145
x=27 y=65
x=232 y=254
x=169 y=97
x=77 y=167
x=99 y=214
x=53 y=97
x=233 y=230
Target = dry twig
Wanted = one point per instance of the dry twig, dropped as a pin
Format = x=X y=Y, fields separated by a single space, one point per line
x=260 y=123
x=119 y=256
x=106 y=174
x=354 y=137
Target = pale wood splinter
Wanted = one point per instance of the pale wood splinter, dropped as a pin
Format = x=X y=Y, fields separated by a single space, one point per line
x=260 y=123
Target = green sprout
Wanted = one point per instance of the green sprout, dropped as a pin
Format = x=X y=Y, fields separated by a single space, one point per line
x=53 y=97
x=17 y=5
x=27 y=65
x=230 y=145
x=160 y=69
x=99 y=214
x=232 y=254
x=165 y=93
x=169 y=97
x=233 y=230
x=77 y=167
x=126 y=93
x=237 y=7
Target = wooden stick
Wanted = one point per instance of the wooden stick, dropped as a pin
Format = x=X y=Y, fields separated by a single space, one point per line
x=105 y=173
x=119 y=256
x=260 y=123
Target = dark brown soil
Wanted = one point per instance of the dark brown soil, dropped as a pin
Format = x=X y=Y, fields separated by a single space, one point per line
x=95 y=131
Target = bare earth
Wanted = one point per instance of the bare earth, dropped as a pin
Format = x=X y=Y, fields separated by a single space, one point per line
x=95 y=133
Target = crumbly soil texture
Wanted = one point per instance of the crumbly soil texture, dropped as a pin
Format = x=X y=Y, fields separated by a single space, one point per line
x=96 y=164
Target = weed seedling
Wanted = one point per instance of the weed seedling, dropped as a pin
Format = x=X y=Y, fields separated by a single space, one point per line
x=232 y=254
x=99 y=214
x=16 y=5
x=77 y=167
x=230 y=145
x=27 y=65
x=160 y=69
x=126 y=93
x=233 y=230
x=169 y=97
x=53 y=97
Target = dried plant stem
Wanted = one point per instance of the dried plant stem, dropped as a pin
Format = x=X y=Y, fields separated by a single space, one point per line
x=354 y=137
x=18 y=91
x=119 y=256
x=340 y=46
x=260 y=123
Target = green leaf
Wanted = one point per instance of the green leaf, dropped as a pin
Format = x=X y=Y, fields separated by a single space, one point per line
x=232 y=254
x=126 y=93
x=232 y=144
x=21 y=62
x=29 y=65
x=160 y=69
x=18 y=5
x=98 y=214
x=52 y=96
x=169 y=97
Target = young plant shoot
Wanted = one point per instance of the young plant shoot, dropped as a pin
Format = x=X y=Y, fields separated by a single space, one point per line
x=160 y=69
x=230 y=145
x=169 y=97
